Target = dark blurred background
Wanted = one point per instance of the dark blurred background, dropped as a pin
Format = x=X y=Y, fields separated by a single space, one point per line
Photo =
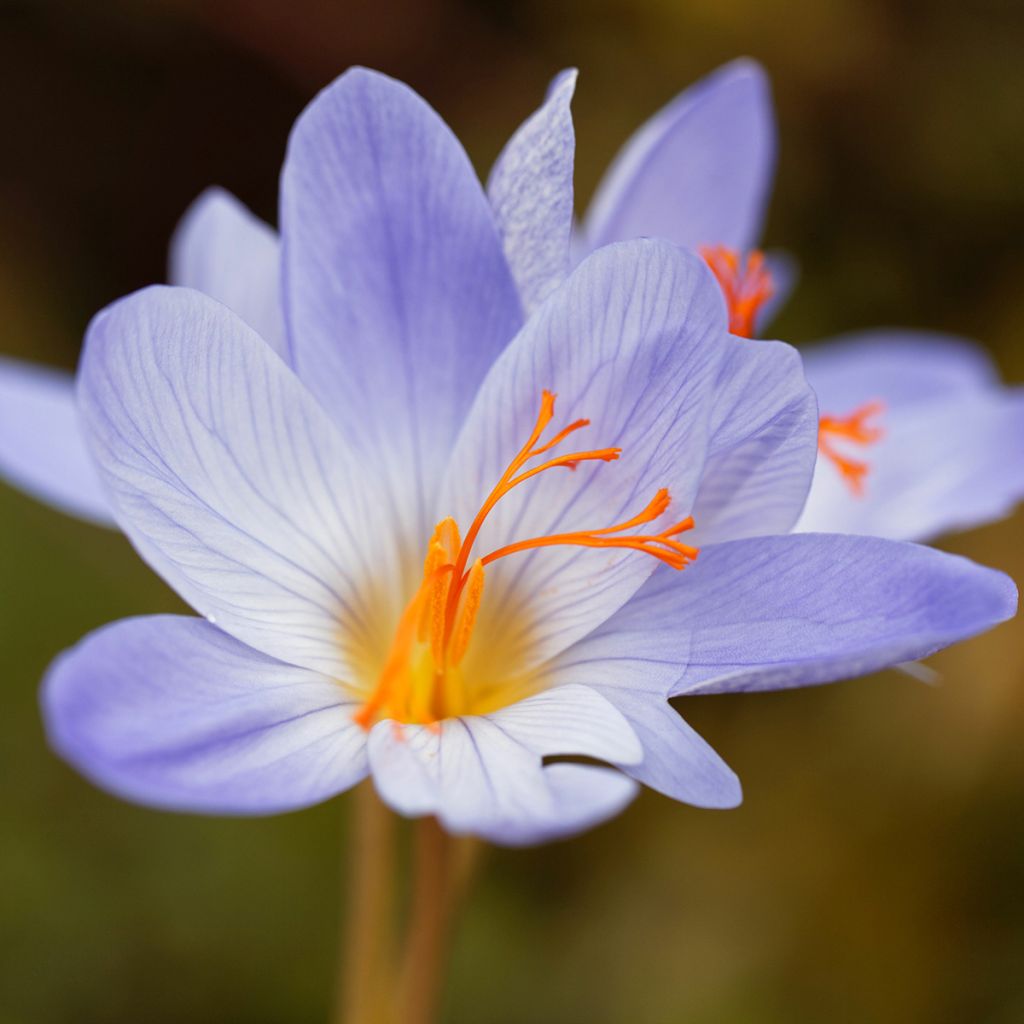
x=876 y=870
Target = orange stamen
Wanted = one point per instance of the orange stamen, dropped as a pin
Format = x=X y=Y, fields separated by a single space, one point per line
x=746 y=284
x=472 y=595
x=442 y=614
x=853 y=429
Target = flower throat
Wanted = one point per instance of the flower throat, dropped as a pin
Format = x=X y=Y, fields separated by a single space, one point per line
x=421 y=678
x=747 y=284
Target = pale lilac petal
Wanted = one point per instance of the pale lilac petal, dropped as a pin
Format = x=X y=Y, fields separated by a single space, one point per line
x=698 y=172
x=777 y=612
x=570 y=719
x=943 y=464
x=42 y=449
x=398 y=297
x=634 y=659
x=172 y=712
x=229 y=478
x=677 y=761
x=762 y=447
x=530 y=189
x=785 y=274
x=896 y=366
x=222 y=249
x=478 y=779
x=636 y=342
x=583 y=796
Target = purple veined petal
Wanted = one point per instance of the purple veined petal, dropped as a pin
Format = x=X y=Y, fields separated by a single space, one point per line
x=677 y=761
x=479 y=780
x=398 y=297
x=531 y=191
x=42 y=449
x=896 y=366
x=762 y=449
x=697 y=173
x=635 y=341
x=634 y=660
x=942 y=464
x=584 y=796
x=229 y=478
x=777 y=612
x=570 y=720
x=171 y=712
x=222 y=249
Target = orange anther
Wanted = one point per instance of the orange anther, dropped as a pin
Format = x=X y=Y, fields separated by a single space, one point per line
x=746 y=284
x=853 y=429
x=420 y=673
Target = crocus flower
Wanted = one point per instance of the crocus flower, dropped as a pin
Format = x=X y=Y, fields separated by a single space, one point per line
x=917 y=436
x=440 y=545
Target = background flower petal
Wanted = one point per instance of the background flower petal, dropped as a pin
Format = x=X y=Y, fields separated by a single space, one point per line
x=785 y=274
x=398 y=296
x=942 y=464
x=42 y=448
x=896 y=366
x=229 y=478
x=172 y=712
x=636 y=341
x=530 y=188
x=777 y=612
x=699 y=172
x=222 y=249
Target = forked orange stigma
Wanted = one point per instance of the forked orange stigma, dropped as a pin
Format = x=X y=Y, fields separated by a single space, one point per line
x=421 y=671
x=853 y=429
x=746 y=284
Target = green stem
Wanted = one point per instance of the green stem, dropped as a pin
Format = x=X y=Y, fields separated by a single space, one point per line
x=365 y=968
x=441 y=872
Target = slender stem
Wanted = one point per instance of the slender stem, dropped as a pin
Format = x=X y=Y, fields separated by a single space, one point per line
x=441 y=873
x=363 y=972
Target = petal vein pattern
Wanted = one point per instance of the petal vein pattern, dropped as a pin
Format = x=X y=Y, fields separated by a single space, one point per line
x=636 y=340
x=397 y=293
x=530 y=189
x=228 y=478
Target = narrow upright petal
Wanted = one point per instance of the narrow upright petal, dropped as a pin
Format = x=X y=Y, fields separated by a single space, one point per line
x=699 y=171
x=222 y=249
x=174 y=713
x=228 y=477
x=398 y=297
x=42 y=449
x=531 y=191
x=635 y=342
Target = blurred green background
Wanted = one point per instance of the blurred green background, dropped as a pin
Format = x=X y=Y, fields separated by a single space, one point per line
x=876 y=870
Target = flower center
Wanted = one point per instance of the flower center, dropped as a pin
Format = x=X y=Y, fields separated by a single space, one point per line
x=746 y=284
x=421 y=679
x=853 y=429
